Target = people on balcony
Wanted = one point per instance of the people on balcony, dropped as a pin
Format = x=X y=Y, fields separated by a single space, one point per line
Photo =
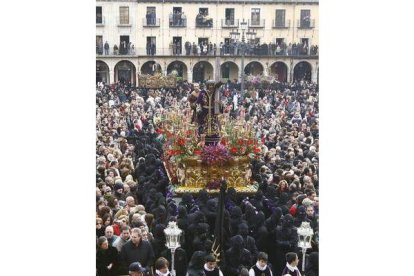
x=106 y=47
x=230 y=48
x=150 y=17
x=99 y=48
x=177 y=19
x=203 y=20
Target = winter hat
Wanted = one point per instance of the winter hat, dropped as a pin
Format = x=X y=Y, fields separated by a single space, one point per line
x=118 y=186
x=136 y=267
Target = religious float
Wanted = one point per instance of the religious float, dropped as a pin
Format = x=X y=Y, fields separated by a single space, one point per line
x=157 y=81
x=199 y=153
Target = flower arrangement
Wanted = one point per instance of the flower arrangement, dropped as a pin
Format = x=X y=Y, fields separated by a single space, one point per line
x=215 y=154
x=182 y=140
x=246 y=146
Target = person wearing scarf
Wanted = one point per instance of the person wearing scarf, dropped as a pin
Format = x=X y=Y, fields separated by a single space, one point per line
x=292 y=261
x=161 y=267
x=261 y=268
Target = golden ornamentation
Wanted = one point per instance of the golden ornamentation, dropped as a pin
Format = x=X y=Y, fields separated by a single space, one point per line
x=157 y=81
x=197 y=175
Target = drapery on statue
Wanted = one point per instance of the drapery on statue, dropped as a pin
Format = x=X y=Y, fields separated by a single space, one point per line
x=210 y=107
x=193 y=101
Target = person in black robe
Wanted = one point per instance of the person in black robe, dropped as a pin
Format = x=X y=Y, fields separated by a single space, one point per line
x=286 y=241
x=249 y=242
x=237 y=257
x=195 y=267
x=312 y=268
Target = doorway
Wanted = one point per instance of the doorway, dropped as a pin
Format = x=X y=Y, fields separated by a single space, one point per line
x=123 y=44
x=177 y=40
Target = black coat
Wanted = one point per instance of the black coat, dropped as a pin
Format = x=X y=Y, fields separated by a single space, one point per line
x=104 y=258
x=142 y=253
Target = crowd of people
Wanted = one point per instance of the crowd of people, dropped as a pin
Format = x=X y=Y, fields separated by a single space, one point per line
x=134 y=203
x=204 y=48
x=178 y=19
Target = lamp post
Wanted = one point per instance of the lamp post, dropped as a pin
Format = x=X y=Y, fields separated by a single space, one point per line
x=172 y=235
x=305 y=234
x=235 y=35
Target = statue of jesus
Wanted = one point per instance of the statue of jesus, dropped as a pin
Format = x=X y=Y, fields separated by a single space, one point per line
x=209 y=102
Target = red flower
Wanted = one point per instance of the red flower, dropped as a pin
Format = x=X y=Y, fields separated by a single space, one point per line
x=197 y=151
x=181 y=142
x=240 y=141
x=250 y=141
x=257 y=150
x=160 y=131
x=188 y=132
x=223 y=142
x=233 y=150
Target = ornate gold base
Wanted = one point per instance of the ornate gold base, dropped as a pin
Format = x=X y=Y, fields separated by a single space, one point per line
x=192 y=176
x=192 y=190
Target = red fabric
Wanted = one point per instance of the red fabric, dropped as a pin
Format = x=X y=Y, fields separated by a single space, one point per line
x=292 y=210
x=117 y=230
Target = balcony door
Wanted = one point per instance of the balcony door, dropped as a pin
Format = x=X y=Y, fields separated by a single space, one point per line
x=229 y=17
x=98 y=15
x=123 y=44
x=305 y=18
x=255 y=17
x=99 y=45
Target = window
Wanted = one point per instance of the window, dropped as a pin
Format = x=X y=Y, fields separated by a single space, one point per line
x=124 y=15
x=99 y=45
x=202 y=18
x=229 y=16
x=280 y=18
x=305 y=18
x=98 y=15
x=178 y=18
x=150 y=16
x=203 y=11
x=124 y=46
x=255 y=17
x=151 y=45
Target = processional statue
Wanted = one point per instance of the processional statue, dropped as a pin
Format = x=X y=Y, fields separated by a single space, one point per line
x=209 y=107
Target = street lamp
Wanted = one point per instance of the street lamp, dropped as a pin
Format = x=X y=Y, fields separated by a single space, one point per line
x=305 y=234
x=235 y=35
x=172 y=235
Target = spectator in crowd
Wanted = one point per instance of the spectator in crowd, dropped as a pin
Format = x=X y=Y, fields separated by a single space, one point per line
x=123 y=238
x=286 y=176
x=161 y=267
x=136 y=269
x=106 y=258
x=137 y=250
x=292 y=261
x=109 y=234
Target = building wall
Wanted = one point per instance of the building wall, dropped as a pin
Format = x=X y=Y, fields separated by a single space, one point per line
x=111 y=32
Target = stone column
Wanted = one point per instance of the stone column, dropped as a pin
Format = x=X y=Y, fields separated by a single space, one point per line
x=217 y=75
x=190 y=75
x=314 y=77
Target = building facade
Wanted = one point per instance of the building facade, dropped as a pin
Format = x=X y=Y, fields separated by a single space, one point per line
x=205 y=39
